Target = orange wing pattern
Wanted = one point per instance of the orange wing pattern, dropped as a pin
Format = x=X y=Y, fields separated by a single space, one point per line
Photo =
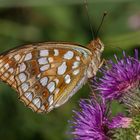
x=45 y=75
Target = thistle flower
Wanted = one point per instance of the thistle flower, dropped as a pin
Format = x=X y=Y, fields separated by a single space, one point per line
x=126 y=128
x=91 y=122
x=120 y=121
x=94 y=122
x=121 y=81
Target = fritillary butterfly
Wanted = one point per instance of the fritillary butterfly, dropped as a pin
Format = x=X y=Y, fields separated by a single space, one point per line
x=46 y=75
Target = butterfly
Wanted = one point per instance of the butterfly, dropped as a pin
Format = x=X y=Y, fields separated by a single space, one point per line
x=46 y=75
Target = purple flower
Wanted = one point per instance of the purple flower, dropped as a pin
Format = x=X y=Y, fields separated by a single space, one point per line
x=90 y=123
x=120 y=121
x=121 y=81
x=120 y=77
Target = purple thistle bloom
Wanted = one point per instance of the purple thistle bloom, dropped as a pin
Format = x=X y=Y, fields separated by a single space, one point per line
x=90 y=123
x=120 y=121
x=121 y=81
x=120 y=77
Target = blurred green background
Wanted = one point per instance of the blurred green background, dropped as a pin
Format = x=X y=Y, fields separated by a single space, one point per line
x=27 y=21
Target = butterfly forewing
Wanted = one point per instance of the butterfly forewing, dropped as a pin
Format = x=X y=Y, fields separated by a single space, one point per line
x=46 y=75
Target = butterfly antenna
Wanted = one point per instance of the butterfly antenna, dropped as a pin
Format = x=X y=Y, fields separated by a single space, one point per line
x=104 y=15
x=89 y=20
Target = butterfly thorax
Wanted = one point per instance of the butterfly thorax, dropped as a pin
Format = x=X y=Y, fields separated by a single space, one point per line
x=96 y=47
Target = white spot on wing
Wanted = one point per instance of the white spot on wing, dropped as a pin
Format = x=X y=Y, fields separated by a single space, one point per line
x=67 y=79
x=28 y=57
x=50 y=108
x=28 y=95
x=44 y=81
x=11 y=70
x=62 y=68
x=44 y=52
x=50 y=99
x=51 y=86
x=75 y=72
x=75 y=64
x=25 y=86
x=69 y=55
x=22 y=77
x=22 y=67
x=17 y=57
x=6 y=66
x=50 y=59
x=39 y=75
x=42 y=61
x=57 y=91
x=6 y=74
x=37 y=102
x=43 y=107
x=45 y=67
x=56 y=52
x=77 y=58
x=82 y=51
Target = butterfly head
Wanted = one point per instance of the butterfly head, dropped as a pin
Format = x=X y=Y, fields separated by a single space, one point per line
x=96 y=45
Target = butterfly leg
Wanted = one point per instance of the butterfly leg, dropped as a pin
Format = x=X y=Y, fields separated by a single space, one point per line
x=102 y=62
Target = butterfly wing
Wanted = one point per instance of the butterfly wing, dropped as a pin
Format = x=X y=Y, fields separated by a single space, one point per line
x=46 y=75
x=8 y=64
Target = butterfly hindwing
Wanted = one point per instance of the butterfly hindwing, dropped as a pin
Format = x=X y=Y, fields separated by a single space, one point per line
x=48 y=74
